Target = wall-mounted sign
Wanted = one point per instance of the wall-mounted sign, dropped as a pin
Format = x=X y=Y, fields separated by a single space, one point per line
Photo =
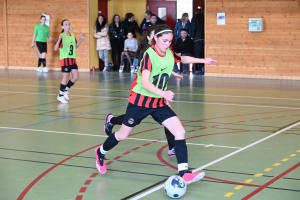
x=221 y=19
x=47 y=19
x=255 y=24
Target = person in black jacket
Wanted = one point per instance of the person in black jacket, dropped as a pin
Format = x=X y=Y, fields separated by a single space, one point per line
x=116 y=32
x=130 y=25
x=184 y=46
x=197 y=34
x=145 y=23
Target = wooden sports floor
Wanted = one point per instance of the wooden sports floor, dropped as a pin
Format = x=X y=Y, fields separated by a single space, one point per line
x=244 y=133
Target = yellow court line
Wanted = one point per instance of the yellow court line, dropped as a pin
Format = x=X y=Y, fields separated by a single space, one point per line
x=293 y=155
x=285 y=159
x=248 y=180
x=258 y=175
x=276 y=164
x=268 y=169
x=228 y=194
x=238 y=187
x=298 y=151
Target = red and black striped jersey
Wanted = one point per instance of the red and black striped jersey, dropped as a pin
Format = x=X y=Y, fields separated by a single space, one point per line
x=67 y=62
x=145 y=101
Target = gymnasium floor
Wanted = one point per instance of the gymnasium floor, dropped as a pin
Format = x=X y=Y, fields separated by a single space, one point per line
x=244 y=133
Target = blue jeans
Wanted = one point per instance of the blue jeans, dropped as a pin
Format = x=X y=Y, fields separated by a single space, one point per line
x=185 y=67
x=103 y=55
x=135 y=62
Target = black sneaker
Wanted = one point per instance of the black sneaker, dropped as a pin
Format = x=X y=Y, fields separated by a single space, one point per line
x=108 y=126
x=110 y=65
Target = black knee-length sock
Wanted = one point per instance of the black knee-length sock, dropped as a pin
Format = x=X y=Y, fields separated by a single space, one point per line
x=170 y=138
x=109 y=143
x=181 y=155
x=61 y=90
x=39 y=62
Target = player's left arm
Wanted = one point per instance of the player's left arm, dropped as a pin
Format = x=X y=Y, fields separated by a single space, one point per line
x=189 y=59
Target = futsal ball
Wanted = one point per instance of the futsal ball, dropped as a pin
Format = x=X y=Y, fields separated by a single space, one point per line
x=175 y=187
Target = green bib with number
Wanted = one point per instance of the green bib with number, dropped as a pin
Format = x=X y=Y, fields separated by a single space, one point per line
x=68 y=49
x=161 y=70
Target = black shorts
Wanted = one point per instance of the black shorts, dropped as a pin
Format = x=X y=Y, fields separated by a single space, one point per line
x=135 y=114
x=42 y=47
x=68 y=69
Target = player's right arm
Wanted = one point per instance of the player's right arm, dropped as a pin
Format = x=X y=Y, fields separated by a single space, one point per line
x=56 y=46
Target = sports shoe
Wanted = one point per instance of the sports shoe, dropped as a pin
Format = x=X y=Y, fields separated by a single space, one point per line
x=105 y=69
x=100 y=162
x=61 y=99
x=38 y=69
x=110 y=65
x=132 y=69
x=121 y=68
x=66 y=95
x=108 y=126
x=45 y=69
x=136 y=70
x=191 y=177
x=171 y=152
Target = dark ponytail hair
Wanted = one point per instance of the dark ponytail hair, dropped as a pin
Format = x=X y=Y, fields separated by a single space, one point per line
x=99 y=26
x=128 y=16
x=62 y=23
x=144 y=42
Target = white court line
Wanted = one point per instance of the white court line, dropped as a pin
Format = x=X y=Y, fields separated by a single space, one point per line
x=222 y=158
x=129 y=138
x=223 y=104
x=191 y=94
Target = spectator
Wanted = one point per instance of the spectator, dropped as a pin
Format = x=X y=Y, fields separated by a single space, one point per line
x=103 y=44
x=143 y=25
x=117 y=36
x=197 y=34
x=130 y=25
x=184 y=22
x=184 y=46
x=130 y=47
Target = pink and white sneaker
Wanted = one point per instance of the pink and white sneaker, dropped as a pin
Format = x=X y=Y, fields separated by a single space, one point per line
x=100 y=162
x=191 y=177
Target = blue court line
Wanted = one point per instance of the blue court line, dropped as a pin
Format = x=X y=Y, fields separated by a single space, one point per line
x=62 y=118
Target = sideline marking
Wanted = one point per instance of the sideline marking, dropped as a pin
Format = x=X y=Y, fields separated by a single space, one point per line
x=104 y=136
x=175 y=101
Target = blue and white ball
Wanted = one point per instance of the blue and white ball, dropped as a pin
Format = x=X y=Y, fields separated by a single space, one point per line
x=175 y=187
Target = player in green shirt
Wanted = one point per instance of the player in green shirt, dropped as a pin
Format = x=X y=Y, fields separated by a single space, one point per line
x=149 y=96
x=67 y=46
x=40 y=35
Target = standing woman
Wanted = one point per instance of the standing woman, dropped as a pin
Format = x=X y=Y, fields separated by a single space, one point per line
x=130 y=25
x=103 y=44
x=67 y=46
x=40 y=35
x=184 y=22
x=116 y=31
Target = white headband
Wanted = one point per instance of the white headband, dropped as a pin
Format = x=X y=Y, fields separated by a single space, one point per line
x=168 y=30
